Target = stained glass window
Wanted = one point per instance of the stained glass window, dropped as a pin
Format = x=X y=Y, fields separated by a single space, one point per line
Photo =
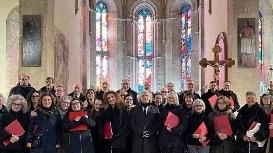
x=144 y=31
x=186 y=44
x=101 y=43
x=260 y=56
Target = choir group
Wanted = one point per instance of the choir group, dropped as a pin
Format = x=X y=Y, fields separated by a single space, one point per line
x=106 y=121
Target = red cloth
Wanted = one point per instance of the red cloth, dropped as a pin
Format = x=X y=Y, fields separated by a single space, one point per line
x=231 y=101
x=107 y=130
x=212 y=100
x=222 y=124
x=172 y=120
x=14 y=128
x=73 y=115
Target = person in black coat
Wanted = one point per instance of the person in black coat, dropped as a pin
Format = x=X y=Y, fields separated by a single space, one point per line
x=222 y=142
x=126 y=86
x=252 y=123
x=49 y=87
x=97 y=135
x=171 y=138
x=144 y=125
x=117 y=115
x=189 y=98
x=230 y=94
x=211 y=92
x=80 y=140
x=158 y=101
x=17 y=110
x=191 y=89
x=23 y=87
x=44 y=129
x=199 y=141
x=77 y=92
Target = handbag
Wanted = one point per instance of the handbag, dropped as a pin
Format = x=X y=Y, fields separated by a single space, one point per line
x=36 y=139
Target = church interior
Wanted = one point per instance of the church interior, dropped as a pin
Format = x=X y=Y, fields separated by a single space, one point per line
x=155 y=41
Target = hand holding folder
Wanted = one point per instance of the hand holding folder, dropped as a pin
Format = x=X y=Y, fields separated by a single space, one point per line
x=212 y=100
x=202 y=131
x=171 y=120
x=222 y=125
x=14 y=128
x=73 y=115
x=107 y=131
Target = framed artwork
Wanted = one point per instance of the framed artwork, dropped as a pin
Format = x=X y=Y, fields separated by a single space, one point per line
x=32 y=40
x=246 y=42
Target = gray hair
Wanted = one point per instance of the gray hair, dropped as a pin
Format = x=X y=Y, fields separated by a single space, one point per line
x=12 y=98
x=198 y=102
x=173 y=94
x=66 y=98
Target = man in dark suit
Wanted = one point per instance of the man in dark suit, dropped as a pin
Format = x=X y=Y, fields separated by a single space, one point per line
x=143 y=123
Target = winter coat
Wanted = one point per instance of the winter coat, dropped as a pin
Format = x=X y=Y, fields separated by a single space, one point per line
x=119 y=119
x=6 y=119
x=140 y=122
x=173 y=138
x=79 y=141
x=195 y=120
x=227 y=145
x=47 y=124
x=245 y=118
x=97 y=131
x=22 y=90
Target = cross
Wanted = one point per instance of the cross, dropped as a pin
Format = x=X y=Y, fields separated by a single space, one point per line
x=216 y=63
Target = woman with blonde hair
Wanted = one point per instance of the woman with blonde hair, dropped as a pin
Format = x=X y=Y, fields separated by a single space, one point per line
x=222 y=142
x=198 y=121
x=17 y=108
x=117 y=115
x=171 y=138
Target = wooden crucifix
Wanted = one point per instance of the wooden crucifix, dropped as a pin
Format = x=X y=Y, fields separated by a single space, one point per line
x=216 y=63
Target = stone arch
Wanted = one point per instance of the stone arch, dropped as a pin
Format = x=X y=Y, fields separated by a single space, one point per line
x=12 y=47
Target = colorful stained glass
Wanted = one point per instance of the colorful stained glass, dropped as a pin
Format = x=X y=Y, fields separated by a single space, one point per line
x=144 y=47
x=101 y=43
x=186 y=44
x=260 y=57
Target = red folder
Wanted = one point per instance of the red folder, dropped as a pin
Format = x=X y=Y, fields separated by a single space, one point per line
x=172 y=120
x=202 y=131
x=212 y=100
x=271 y=121
x=231 y=101
x=107 y=131
x=14 y=128
x=222 y=124
x=73 y=115
x=253 y=124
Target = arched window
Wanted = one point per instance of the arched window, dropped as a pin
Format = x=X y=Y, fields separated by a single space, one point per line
x=186 y=44
x=101 y=43
x=144 y=45
x=262 y=71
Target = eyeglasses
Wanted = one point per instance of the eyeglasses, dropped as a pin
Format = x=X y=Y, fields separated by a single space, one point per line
x=73 y=104
x=33 y=96
x=125 y=83
x=198 y=105
x=164 y=91
x=16 y=104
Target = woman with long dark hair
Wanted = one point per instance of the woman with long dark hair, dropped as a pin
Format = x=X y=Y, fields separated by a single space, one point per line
x=44 y=130
x=117 y=115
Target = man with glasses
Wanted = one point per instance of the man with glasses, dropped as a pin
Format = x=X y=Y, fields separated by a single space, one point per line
x=191 y=89
x=23 y=87
x=125 y=84
x=231 y=95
